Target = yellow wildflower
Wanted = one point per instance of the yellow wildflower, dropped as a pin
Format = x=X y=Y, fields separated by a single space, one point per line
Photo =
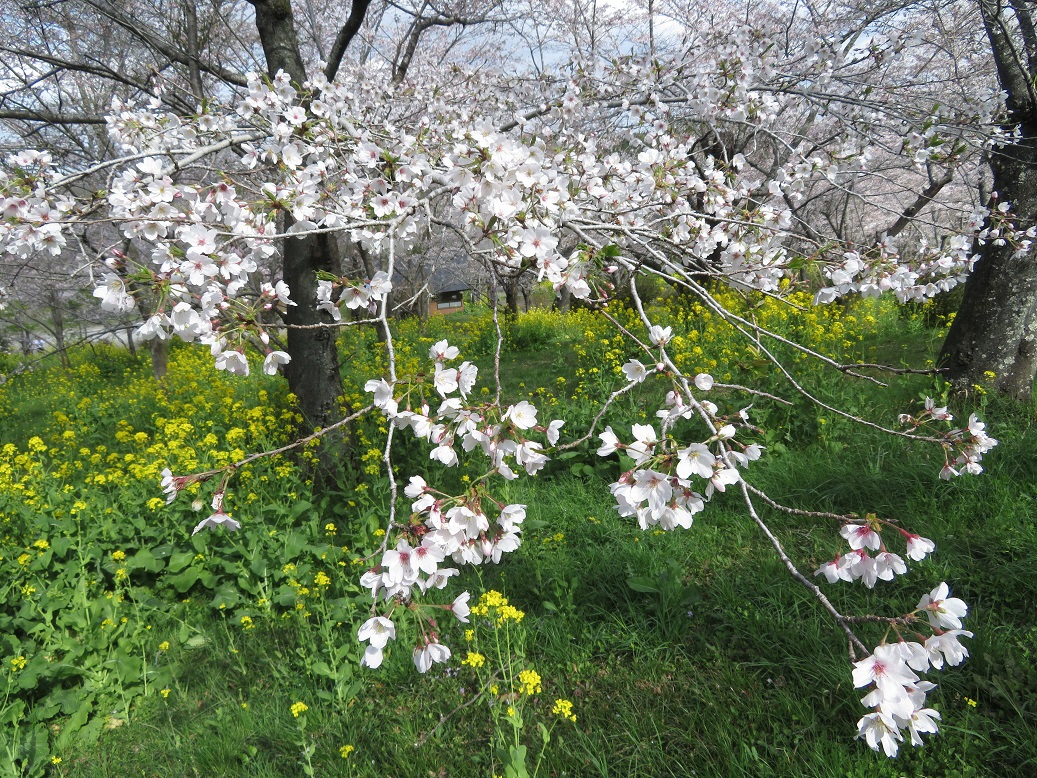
x=529 y=682
x=474 y=659
x=564 y=708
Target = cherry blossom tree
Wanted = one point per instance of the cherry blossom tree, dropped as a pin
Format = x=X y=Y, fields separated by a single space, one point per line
x=996 y=328
x=687 y=158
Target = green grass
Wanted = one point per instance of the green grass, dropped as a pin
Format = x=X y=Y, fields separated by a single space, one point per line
x=714 y=662
x=753 y=683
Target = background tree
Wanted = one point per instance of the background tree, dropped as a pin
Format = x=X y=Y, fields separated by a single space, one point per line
x=996 y=327
x=66 y=62
x=689 y=159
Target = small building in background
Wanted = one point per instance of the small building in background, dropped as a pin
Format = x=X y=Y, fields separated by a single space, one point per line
x=446 y=293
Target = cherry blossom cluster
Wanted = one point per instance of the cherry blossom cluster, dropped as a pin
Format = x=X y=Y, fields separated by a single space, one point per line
x=661 y=489
x=470 y=528
x=172 y=485
x=32 y=219
x=333 y=293
x=498 y=433
x=963 y=448
x=897 y=693
x=858 y=564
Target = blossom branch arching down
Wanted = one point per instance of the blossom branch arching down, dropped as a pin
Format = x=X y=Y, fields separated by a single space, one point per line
x=652 y=165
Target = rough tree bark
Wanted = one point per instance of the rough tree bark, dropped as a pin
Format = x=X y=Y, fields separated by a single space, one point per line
x=995 y=329
x=313 y=374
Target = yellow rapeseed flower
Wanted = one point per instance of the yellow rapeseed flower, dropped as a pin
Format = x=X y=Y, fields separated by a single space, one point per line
x=530 y=682
x=474 y=659
x=564 y=708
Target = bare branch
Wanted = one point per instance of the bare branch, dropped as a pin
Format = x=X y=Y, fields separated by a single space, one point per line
x=345 y=36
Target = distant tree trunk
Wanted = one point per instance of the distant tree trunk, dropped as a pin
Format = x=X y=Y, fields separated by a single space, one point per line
x=995 y=330
x=562 y=300
x=511 y=296
x=371 y=268
x=131 y=344
x=159 y=358
x=57 y=318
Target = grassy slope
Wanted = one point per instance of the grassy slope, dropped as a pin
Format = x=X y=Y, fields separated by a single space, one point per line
x=752 y=682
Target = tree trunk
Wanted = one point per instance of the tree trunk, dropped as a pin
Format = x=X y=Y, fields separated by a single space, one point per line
x=511 y=296
x=995 y=330
x=159 y=358
x=313 y=374
x=57 y=317
x=130 y=343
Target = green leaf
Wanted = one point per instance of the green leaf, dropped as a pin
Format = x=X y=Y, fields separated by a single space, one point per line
x=299 y=509
x=246 y=584
x=145 y=560
x=293 y=544
x=186 y=579
x=226 y=595
x=75 y=723
x=321 y=669
x=643 y=584
x=179 y=560
x=516 y=766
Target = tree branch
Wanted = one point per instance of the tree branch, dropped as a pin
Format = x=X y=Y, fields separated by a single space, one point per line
x=165 y=48
x=923 y=199
x=345 y=36
x=52 y=118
